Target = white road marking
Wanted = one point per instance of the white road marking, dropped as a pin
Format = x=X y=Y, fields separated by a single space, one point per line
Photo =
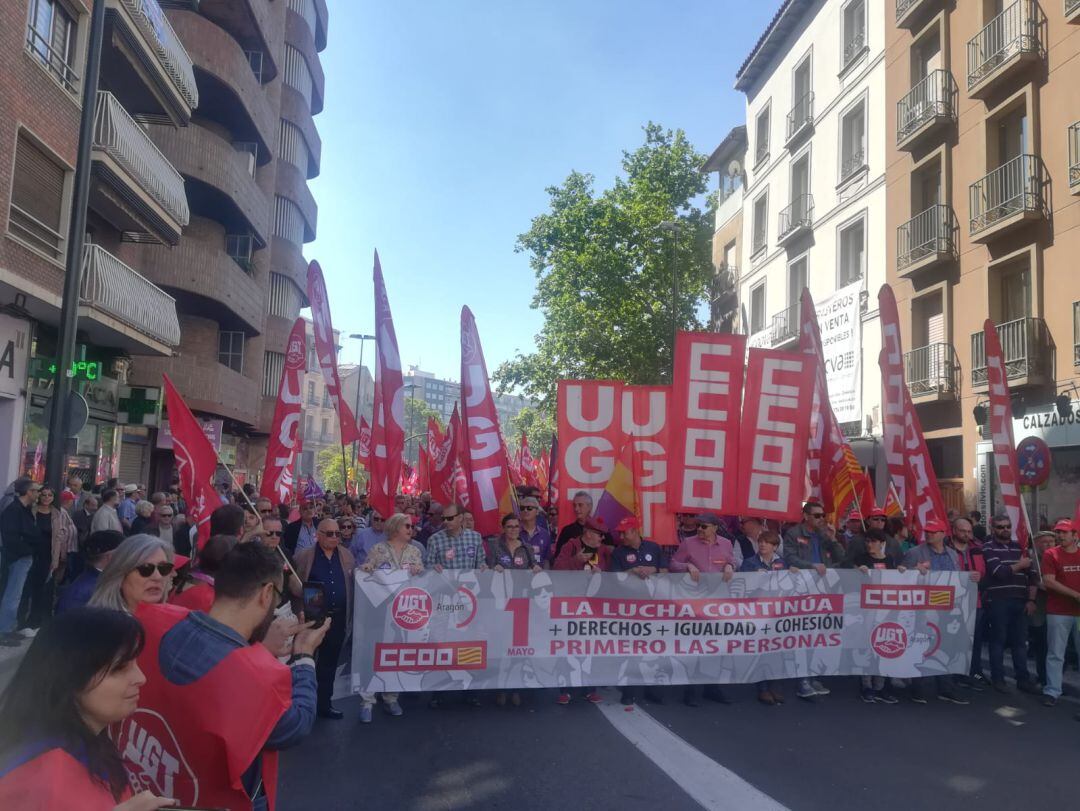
x=709 y=783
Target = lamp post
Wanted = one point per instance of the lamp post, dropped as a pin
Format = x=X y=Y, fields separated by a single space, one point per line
x=356 y=336
x=672 y=227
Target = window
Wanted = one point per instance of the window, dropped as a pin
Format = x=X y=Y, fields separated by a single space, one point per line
x=760 y=224
x=796 y=282
x=51 y=38
x=239 y=248
x=231 y=350
x=273 y=367
x=853 y=141
x=324 y=426
x=37 y=199
x=309 y=427
x=251 y=151
x=854 y=33
x=761 y=135
x=297 y=75
x=852 y=251
x=292 y=147
x=288 y=221
x=311 y=391
x=255 y=59
x=285 y=299
x=757 y=309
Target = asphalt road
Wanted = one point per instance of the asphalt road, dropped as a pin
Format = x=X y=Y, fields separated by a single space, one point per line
x=1001 y=752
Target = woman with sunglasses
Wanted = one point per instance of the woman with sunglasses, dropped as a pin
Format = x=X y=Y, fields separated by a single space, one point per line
x=140 y=571
x=78 y=677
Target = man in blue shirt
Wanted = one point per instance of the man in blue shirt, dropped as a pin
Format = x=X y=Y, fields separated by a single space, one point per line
x=126 y=510
x=364 y=540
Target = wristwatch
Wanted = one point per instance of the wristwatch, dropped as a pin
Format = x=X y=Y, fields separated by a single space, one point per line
x=298 y=658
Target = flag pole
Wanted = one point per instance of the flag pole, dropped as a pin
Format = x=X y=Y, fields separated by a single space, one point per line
x=240 y=489
x=856 y=502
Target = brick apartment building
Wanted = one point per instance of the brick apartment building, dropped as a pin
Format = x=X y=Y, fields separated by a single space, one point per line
x=205 y=141
x=982 y=175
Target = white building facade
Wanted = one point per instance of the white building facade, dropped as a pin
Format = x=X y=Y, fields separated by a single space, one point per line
x=814 y=204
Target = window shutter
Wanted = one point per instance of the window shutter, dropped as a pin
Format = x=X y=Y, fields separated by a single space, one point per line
x=38 y=188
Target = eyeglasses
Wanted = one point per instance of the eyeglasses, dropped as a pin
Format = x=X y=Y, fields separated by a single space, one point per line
x=528 y=509
x=147 y=569
x=448 y=518
x=329 y=533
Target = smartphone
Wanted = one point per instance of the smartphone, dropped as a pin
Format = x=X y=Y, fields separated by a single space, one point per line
x=314 y=603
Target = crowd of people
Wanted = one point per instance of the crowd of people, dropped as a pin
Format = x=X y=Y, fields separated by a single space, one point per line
x=126 y=612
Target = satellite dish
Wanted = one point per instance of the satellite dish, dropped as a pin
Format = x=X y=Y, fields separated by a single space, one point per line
x=734 y=169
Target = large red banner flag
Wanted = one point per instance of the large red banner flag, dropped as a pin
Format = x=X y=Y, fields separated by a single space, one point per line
x=484 y=455
x=589 y=436
x=910 y=467
x=646 y=418
x=326 y=350
x=388 y=420
x=707 y=396
x=775 y=433
x=527 y=465
x=196 y=462
x=444 y=458
x=363 y=447
x=1008 y=473
x=277 y=477
x=826 y=438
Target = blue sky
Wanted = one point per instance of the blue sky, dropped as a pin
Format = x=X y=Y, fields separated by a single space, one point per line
x=446 y=120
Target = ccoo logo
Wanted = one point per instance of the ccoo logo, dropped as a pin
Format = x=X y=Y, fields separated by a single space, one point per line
x=412 y=609
x=889 y=640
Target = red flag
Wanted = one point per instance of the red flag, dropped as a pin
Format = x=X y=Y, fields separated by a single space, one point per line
x=444 y=458
x=543 y=465
x=910 y=467
x=775 y=433
x=277 y=478
x=484 y=456
x=327 y=352
x=826 y=438
x=1002 y=434
x=591 y=435
x=363 y=448
x=892 y=507
x=388 y=428
x=196 y=462
x=527 y=464
x=514 y=466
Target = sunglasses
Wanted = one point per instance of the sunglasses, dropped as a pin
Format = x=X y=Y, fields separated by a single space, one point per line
x=329 y=533
x=147 y=569
x=448 y=518
x=528 y=509
x=274 y=532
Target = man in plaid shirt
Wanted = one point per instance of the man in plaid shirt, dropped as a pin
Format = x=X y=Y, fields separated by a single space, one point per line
x=454 y=547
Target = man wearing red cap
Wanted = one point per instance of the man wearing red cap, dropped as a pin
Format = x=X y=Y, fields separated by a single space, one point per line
x=1061 y=576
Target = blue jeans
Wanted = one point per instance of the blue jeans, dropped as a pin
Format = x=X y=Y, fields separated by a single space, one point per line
x=1058 y=629
x=9 y=604
x=1008 y=628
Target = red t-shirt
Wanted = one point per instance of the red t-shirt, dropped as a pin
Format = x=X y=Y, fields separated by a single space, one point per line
x=1066 y=570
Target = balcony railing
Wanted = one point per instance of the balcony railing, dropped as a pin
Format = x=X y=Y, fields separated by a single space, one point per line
x=1076 y=317
x=760 y=239
x=1015 y=187
x=117 y=134
x=928 y=233
x=903 y=7
x=157 y=30
x=801 y=115
x=1026 y=347
x=1071 y=7
x=785 y=326
x=1013 y=32
x=55 y=61
x=854 y=46
x=932 y=369
x=932 y=98
x=1074 y=150
x=797 y=216
x=114 y=288
x=852 y=162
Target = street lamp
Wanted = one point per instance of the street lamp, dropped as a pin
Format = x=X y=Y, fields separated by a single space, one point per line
x=410 y=387
x=356 y=336
x=672 y=227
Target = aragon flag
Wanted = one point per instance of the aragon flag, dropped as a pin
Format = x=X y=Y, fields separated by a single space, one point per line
x=619 y=499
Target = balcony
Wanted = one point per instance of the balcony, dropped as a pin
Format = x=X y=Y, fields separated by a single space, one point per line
x=932 y=373
x=785 y=327
x=797 y=219
x=926 y=239
x=927 y=106
x=801 y=119
x=1008 y=43
x=1074 y=155
x=910 y=12
x=1076 y=325
x=1027 y=350
x=128 y=302
x=142 y=28
x=1009 y=196
x=147 y=198
x=1072 y=11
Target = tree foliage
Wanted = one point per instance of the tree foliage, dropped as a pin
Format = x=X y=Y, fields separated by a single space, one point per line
x=329 y=471
x=537 y=424
x=604 y=269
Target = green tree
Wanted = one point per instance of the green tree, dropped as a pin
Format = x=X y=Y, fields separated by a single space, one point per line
x=416 y=419
x=604 y=268
x=537 y=424
x=329 y=470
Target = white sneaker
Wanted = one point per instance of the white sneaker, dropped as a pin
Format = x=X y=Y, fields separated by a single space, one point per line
x=27 y=633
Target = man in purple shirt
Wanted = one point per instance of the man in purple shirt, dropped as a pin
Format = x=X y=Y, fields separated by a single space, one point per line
x=533 y=535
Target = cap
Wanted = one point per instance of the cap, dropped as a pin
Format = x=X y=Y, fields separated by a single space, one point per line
x=529 y=501
x=709 y=518
x=130 y=488
x=596 y=524
x=1064 y=525
x=1047 y=533
x=630 y=522
x=934 y=525
x=877 y=512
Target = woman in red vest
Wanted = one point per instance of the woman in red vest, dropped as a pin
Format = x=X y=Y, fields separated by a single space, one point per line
x=78 y=677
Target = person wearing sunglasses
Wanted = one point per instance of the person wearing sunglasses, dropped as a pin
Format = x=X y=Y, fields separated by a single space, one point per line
x=533 y=534
x=455 y=546
x=332 y=564
x=139 y=571
x=366 y=539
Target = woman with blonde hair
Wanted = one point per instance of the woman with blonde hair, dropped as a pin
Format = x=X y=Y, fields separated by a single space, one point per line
x=139 y=571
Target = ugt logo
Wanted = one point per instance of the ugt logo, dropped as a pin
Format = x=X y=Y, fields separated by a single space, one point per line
x=412 y=609
x=889 y=640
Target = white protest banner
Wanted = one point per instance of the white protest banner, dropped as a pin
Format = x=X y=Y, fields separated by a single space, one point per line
x=841 y=343
x=518 y=629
